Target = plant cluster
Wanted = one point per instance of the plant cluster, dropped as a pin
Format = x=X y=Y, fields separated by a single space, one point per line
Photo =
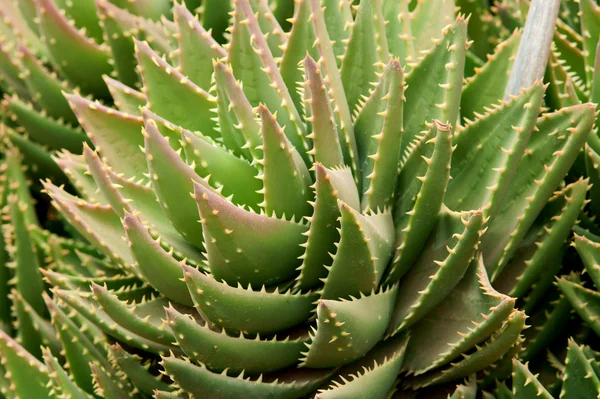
x=299 y=199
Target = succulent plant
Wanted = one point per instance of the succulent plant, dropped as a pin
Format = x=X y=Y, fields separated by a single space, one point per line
x=347 y=203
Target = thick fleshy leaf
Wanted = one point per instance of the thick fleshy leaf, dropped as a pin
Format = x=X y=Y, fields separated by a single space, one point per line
x=218 y=350
x=547 y=243
x=487 y=86
x=237 y=120
x=138 y=373
x=43 y=129
x=172 y=95
x=435 y=84
x=118 y=26
x=525 y=384
x=584 y=301
x=202 y=383
x=331 y=28
x=323 y=235
x=97 y=223
x=324 y=134
x=550 y=153
x=484 y=356
x=421 y=187
x=580 y=379
x=62 y=384
x=157 y=266
x=125 y=98
x=88 y=309
x=245 y=247
x=148 y=325
x=300 y=44
x=241 y=309
x=488 y=152
x=378 y=129
x=373 y=376
x=45 y=87
x=366 y=52
x=172 y=180
x=285 y=176
x=590 y=28
x=78 y=57
x=363 y=252
x=197 y=49
x=468 y=316
x=117 y=135
x=253 y=64
x=348 y=329
x=428 y=20
x=445 y=259
x=237 y=177
x=78 y=349
x=28 y=376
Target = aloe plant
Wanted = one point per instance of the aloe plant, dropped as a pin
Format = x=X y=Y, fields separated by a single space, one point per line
x=349 y=203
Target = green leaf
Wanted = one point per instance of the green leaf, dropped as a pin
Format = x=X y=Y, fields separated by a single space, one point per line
x=323 y=129
x=301 y=43
x=435 y=84
x=117 y=135
x=590 y=29
x=45 y=87
x=28 y=376
x=197 y=49
x=366 y=53
x=172 y=180
x=323 y=234
x=237 y=119
x=87 y=308
x=421 y=187
x=62 y=384
x=378 y=129
x=580 y=380
x=488 y=152
x=468 y=316
x=550 y=152
x=445 y=258
x=373 y=376
x=149 y=325
x=173 y=96
x=246 y=247
x=219 y=351
x=348 y=329
x=78 y=57
x=44 y=129
x=525 y=384
x=97 y=223
x=331 y=29
x=157 y=266
x=238 y=178
x=363 y=252
x=285 y=176
x=79 y=351
x=118 y=26
x=487 y=86
x=584 y=301
x=126 y=99
x=136 y=372
x=428 y=20
x=253 y=64
x=531 y=261
x=240 y=309
x=201 y=383
x=493 y=350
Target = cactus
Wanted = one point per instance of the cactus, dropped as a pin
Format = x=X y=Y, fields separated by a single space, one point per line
x=292 y=199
